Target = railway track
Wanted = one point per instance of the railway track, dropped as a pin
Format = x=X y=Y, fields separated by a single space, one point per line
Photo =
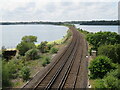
x=69 y=69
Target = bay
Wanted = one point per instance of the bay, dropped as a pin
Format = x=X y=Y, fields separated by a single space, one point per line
x=97 y=28
x=12 y=34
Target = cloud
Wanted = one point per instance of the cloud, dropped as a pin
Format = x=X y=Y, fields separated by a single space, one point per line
x=31 y=10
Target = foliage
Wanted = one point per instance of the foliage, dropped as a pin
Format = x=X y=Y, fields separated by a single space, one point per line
x=111 y=80
x=43 y=47
x=26 y=44
x=10 y=70
x=100 y=66
x=30 y=39
x=25 y=73
x=23 y=47
x=49 y=46
x=103 y=38
x=12 y=66
x=53 y=50
x=112 y=51
x=45 y=61
x=5 y=75
x=83 y=31
x=32 y=54
x=99 y=83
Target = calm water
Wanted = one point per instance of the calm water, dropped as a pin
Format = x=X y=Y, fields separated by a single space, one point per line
x=92 y=28
x=12 y=34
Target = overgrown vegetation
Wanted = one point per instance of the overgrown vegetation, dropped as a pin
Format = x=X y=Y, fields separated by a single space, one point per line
x=104 y=68
x=103 y=38
x=45 y=61
x=25 y=73
x=32 y=54
x=111 y=51
x=28 y=58
x=100 y=66
x=53 y=50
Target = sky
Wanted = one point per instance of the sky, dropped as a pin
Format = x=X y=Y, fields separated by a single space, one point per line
x=58 y=10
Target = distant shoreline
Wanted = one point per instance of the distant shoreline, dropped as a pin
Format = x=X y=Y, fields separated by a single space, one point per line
x=102 y=22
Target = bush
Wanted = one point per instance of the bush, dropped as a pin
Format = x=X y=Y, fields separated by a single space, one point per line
x=23 y=47
x=49 y=46
x=53 y=50
x=112 y=79
x=43 y=47
x=99 y=83
x=5 y=75
x=25 y=73
x=111 y=51
x=32 y=54
x=100 y=66
x=12 y=67
x=110 y=82
x=45 y=61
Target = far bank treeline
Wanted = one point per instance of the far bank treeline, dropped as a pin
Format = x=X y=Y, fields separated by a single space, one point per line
x=102 y=22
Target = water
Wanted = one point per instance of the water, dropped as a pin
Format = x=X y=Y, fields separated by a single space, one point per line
x=97 y=28
x=12 y=34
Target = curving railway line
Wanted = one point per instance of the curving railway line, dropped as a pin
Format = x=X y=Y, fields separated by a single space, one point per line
x=69 y=69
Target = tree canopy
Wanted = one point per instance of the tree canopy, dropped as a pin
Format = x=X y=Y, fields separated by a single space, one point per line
x=29 y=39
x=103 y=38
x=26 y=44
x=100 y=66
x=111 y=51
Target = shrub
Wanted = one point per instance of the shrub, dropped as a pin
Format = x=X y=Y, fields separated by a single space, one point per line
x=12 y=67
x=100 y=66
x=32 y=54
x=43 y=47
x=5 y=75
x=23 y=47
x=25 y=73
x=50 y=46
x=45 y=61
x=99 y=83
x=111 y=51
x=110 y=81
x=53 y=50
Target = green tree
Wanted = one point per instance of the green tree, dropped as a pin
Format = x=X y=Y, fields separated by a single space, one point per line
x=103 y=38
x=100 y=66
x=26 y=44
x=32 y=54
x=111 y=51
x=23 y=47
x=29 y=39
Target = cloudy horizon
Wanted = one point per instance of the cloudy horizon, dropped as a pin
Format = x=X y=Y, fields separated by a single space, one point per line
x=33 y=10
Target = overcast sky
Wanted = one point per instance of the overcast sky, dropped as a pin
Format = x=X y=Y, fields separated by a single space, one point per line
x=57 y=10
